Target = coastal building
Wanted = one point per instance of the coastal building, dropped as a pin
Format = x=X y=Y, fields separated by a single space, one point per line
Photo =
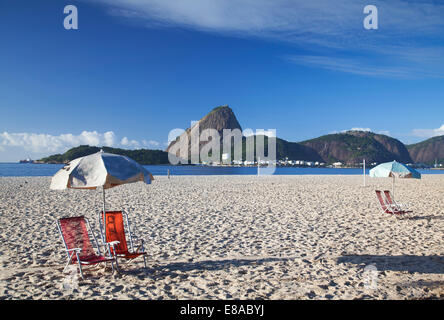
x=337 y=164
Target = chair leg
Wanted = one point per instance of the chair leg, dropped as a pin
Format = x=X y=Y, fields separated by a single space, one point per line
x=143 y=250
x=69 y=261
x=80 y=265
x=117 y=264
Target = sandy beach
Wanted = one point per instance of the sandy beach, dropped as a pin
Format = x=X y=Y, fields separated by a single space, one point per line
x=233 y=237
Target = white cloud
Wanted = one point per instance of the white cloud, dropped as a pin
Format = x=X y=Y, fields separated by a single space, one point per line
x=352 y=65
x=40 y=142
x=45 y=143
x=360 y=129
x=109 y=138
x=129 y=143
x=334 y=27
x=352 y=129
x=384 y=132
x=150 y=143
x=428 y=133
x=288 y=20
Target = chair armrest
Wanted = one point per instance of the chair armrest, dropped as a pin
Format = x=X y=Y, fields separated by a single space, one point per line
x=112 y=243
x=400 y=206
x=74 y=249
x=405 y=205
x=109 y=245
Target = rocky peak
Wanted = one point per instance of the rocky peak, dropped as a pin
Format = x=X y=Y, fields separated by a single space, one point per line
x=219 y=118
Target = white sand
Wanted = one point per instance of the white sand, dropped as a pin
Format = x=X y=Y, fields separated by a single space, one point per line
x=228 y=237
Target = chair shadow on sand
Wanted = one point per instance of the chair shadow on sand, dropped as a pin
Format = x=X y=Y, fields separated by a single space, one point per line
x=410 y=263
x=429 y=218
x=178 y=268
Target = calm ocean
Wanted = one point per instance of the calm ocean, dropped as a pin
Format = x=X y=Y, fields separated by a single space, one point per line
x=46 y=170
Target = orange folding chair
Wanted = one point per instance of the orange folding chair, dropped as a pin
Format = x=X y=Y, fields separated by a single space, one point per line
x=113 y=229
x=78 y=246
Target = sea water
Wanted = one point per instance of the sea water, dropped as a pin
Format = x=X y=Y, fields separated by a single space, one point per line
x=47 y=170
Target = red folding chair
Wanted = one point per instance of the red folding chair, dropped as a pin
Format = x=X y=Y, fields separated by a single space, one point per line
x=394 y=204
x=79 y=249
x=113 y=229
x=385 y=206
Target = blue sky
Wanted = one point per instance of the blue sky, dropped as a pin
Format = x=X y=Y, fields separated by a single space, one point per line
x=134 y=70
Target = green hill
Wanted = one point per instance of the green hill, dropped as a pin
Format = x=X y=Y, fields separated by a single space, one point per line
x=428 y=151
x=142 y=156
x=354 y=146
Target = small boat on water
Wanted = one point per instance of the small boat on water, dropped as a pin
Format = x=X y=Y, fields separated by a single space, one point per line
x=28 y=160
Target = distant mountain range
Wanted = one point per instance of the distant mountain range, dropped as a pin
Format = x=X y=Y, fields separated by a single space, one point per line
x=349 y=147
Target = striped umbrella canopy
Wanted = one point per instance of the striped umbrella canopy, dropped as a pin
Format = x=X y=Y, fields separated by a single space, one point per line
x=394 y=170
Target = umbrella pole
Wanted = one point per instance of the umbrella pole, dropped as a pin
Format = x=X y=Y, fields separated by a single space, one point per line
x=393 y=187
x=104 y=212
x=363 y=162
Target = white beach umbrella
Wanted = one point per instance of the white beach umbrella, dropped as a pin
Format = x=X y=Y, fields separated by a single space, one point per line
x=100 y=169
